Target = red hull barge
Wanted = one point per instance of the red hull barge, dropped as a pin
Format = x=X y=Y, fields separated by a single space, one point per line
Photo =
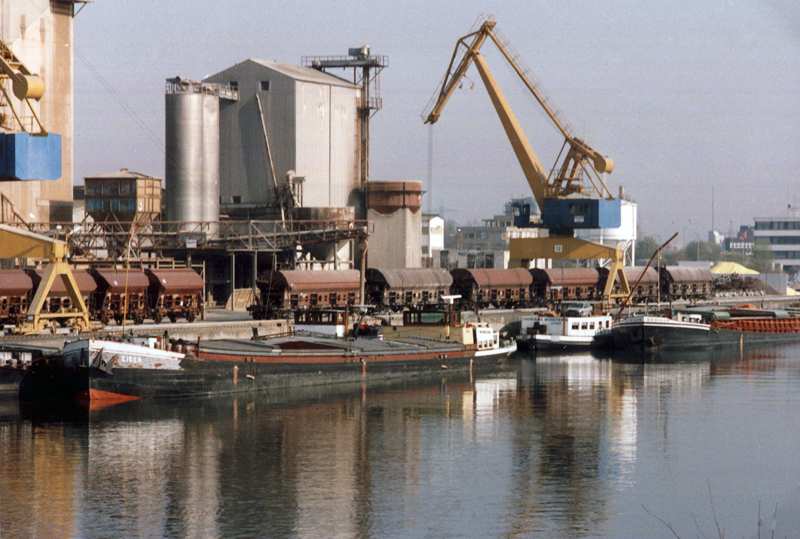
x=105 y=372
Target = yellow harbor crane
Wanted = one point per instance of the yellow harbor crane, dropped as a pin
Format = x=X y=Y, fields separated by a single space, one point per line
x=572 y=196
x=18 y=243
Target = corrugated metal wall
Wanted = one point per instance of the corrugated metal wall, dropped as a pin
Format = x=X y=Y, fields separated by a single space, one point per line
x=312 y=128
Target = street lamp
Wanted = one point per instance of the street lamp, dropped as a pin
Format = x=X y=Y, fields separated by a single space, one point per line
x=697 y=236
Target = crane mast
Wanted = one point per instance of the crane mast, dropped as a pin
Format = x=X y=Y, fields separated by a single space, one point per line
x=566 y=201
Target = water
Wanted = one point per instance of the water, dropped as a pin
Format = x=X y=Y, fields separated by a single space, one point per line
x=558 y=447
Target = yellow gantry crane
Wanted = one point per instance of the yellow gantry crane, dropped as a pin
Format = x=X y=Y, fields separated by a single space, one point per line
x=17 y=243
x=572 y=196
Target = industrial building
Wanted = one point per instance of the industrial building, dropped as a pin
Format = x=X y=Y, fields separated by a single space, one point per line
x=289 y=122
x=782 y=236
x=266 y=165
x=39 y=34
x=487 y=245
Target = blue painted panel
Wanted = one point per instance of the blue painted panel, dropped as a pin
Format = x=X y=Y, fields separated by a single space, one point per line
x=27 y=157
x=571 y=214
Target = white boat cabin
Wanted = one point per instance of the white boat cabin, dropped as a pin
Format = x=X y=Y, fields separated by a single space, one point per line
x=573 y=326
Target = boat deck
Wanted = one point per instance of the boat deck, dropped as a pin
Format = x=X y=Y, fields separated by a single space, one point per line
x=301 y=345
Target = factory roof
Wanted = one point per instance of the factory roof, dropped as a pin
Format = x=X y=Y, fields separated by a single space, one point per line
x=305 y=74
x=122 y=173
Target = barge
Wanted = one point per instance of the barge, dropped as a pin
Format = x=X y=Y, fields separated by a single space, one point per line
x=560 y=333
x=700 y=328
x=106 y=372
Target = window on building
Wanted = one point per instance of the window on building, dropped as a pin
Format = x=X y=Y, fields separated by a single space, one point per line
x=234 y=84
x=126 y=187
x=110 y=187
x=265 y=86
x=93 y=187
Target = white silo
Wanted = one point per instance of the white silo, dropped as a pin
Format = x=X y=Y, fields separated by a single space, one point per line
x=192 y=153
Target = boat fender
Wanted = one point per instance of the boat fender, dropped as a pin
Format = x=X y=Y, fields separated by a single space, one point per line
x=444 y=367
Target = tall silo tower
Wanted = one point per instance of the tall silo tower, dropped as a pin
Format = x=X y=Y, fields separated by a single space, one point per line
x=289 y=122
x=192 y=151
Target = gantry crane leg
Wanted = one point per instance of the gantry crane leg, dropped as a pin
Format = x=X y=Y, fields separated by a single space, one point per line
x=523 y=250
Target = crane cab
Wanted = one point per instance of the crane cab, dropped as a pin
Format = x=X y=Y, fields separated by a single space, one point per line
x=573 y=213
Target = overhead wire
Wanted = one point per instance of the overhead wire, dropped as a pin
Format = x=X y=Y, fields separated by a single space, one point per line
x=119 y=99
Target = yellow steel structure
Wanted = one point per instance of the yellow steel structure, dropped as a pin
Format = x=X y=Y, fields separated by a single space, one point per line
x=24 y=84
x=580 y=161
x=17 y=243
x=564 y=247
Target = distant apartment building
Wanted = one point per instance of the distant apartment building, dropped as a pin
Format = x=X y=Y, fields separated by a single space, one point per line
x=487 y=245
x=782 y=235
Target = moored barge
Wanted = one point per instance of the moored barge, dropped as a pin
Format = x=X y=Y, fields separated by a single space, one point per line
x=106 y=372
x=701 y=328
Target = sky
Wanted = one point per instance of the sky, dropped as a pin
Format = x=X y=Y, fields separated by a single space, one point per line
x=697 y=103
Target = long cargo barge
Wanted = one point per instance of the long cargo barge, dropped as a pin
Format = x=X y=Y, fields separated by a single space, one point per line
x=106 y=372
x=699 y=328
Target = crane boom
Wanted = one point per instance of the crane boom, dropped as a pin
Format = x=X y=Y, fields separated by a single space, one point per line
x=562 y=196
x=580 y=161
x=531 y=166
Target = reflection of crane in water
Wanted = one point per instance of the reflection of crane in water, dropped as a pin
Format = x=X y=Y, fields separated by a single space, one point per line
x=580 y=443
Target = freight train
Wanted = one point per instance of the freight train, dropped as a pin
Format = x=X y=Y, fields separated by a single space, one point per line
x=283 y=292
x=160 y=293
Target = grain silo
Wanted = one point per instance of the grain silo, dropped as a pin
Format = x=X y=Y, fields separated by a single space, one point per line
x=192 y=152
x=394 y=207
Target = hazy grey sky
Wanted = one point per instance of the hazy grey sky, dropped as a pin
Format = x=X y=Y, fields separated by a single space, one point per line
x=682 y=95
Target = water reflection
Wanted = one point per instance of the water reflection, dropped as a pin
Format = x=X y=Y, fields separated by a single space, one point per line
x=546 y=447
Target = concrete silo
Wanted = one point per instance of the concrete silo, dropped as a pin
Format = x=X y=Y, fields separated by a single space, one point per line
x=394 y=207
x=192 y=152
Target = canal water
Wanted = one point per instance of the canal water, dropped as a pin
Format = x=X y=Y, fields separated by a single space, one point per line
x=570 y=446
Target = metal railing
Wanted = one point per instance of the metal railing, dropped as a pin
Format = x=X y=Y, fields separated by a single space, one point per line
x=110 y=240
